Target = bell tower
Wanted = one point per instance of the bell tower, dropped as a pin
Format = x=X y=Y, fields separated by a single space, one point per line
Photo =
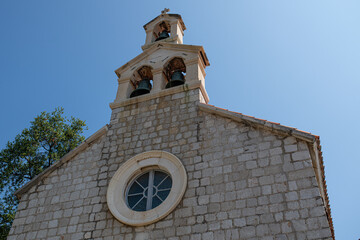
x=166 y=66
x=167 y=27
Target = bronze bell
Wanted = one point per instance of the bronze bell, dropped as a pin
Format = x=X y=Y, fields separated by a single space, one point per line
x=177 y=78
x=164 y=34
x=144 y=87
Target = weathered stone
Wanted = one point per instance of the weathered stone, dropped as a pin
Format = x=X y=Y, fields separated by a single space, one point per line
x=247 y=178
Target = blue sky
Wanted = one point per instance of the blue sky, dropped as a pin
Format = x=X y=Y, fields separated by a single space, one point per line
x=292 y=62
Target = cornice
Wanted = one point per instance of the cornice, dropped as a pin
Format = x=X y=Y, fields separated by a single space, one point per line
x=162 y=45
x=162 y=93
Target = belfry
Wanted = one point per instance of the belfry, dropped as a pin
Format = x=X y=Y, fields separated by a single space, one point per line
x=164 y=63
x=170 y=166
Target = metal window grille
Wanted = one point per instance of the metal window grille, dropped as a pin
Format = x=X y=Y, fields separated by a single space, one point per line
x=148 y=190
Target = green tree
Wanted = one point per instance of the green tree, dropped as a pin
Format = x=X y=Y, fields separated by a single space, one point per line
x=49 y=137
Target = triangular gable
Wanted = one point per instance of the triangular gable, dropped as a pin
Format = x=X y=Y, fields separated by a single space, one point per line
x=166 y=16
x=168 y=46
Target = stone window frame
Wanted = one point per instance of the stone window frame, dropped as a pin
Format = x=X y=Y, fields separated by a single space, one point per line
x=116 y=193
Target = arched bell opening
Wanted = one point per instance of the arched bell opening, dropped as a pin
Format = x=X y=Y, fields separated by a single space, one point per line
x=161 y=31
x=142 y=81
x=175 y=72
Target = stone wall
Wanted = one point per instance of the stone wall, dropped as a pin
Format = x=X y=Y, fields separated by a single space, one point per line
x=65 y=202
x=256 y=185
x=243 y=183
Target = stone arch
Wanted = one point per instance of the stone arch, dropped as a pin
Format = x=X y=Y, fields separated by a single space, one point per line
x=173 y=65
x=144 y=71
x=159 y=28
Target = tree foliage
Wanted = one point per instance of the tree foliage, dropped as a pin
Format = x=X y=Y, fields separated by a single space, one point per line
x=49 y=137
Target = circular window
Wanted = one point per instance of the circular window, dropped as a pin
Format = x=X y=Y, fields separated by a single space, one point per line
x=146 y=188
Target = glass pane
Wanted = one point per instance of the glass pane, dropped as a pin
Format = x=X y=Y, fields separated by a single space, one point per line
x=159 y=177
x=132 y=200
x=135 y=188
x=143 y=180
x=165 y=184
x=156 y=202
x=163 y=194
x=146 y=192
x=141 y=206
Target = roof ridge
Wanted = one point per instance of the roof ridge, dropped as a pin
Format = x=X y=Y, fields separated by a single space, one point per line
x=307 y=136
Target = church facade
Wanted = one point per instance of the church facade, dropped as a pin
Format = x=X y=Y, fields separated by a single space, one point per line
x=171 y=166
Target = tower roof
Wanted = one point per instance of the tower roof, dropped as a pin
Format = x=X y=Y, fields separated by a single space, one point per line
x=166 y=16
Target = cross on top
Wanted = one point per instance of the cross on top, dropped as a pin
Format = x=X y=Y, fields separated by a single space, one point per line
x=165 y=11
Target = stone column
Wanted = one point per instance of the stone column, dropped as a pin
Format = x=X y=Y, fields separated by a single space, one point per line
x=158 y=80
x=124 y=90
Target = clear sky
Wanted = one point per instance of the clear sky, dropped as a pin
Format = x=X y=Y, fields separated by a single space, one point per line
x=292 y=62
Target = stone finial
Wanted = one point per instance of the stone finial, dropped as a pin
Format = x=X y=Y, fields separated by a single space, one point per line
x=165 y=11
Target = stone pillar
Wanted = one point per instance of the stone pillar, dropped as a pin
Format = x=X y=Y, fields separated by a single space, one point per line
x=149 y=36
x=194 y=71
x=176 y=32
x=158 y=80
x=124 y=89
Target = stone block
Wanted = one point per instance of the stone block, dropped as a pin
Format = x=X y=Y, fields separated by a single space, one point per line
x=299 y=156
x=247 y=232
